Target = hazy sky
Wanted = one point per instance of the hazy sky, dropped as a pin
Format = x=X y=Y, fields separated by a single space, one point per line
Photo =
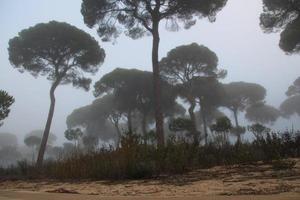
x=243 y=49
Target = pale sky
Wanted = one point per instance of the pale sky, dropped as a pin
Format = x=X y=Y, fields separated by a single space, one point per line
x=243 y=49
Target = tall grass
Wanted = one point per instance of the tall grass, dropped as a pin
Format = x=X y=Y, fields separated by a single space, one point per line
x=137 y=159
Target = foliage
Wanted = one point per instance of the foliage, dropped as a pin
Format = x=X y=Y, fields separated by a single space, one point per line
x=5 y=102
x=38 y=134
x=283 y=15
x=262 y=113
x=283 y=164
x=259 y=130
x=135 y=159
x=56 y=50
x=294 y=89
x=73 y=134
x=291 y=105
x=239 y=95
x=186 y=62
x=222 y=125
x=137 y=18
x=32 y=141
x=181 y=125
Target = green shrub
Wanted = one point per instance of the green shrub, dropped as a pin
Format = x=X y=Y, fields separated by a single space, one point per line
x=283 y=164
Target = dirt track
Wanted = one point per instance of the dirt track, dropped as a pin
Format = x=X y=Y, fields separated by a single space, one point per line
x=10 y=195
x=253 y=182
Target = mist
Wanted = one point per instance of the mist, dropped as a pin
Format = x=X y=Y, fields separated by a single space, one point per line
x=243 y=49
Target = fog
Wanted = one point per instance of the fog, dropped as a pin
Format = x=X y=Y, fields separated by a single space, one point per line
x=243 y=49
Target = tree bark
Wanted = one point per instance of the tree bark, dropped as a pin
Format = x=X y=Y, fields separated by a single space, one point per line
x=144 y=124
x=203 y=113
x=115 y=121
x=156 y=84
x=116 y=124
x=43 y=145
x=193 y=119
x=237 y=125
x=129 y=122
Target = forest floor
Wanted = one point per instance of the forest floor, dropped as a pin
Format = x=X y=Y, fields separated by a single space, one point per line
x=244 y=182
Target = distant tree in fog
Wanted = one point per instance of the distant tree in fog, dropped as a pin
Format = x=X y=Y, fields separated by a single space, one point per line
x=39 y=134
x=8 y=139
x=209 y=93
x=259 y=130
x=291 y=105
x=294 y=89
x=283 y=15
x=33 y=142
x=74 y=135
x=9 y=153
x=93 y=119
x=132 y=91
x=222 y=128
x=262 y=113
x=185 y=63
x=240 y=95
x=5 y=102
x=59 y=51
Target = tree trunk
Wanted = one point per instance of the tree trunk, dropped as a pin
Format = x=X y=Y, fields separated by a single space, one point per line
x=144 y=124
x=203 y=113
x=43 y=145
x=156 y=84
x=237 y=125
x=119 y=134
x=115 y=122
x=129 y=122
x=193 y=119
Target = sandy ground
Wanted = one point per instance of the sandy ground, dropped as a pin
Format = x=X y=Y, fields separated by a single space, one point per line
x=253 y=182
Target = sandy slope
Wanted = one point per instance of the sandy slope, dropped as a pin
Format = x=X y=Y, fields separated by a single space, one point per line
x=233 y=182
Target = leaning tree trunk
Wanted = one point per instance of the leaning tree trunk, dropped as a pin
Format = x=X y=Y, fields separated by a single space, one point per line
x=47 y=127
x=193 y=119
x=156 y=85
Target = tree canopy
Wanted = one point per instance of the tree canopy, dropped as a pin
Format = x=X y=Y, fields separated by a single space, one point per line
x=262 y=113
x=32 y=141
x=39 y=134
x=5 y=102
x=291 y=105
x=240 y=95
x=135 y=18
x=57 y=50
x=93 y=119
x=186 y=62
x=294 y=89
x=132 y=89
x=283 y=15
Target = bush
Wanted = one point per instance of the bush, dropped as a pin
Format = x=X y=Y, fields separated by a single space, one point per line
x=136 y=159
x=283 y=164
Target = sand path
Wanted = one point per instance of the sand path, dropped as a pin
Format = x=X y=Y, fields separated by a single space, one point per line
x=16 y=195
